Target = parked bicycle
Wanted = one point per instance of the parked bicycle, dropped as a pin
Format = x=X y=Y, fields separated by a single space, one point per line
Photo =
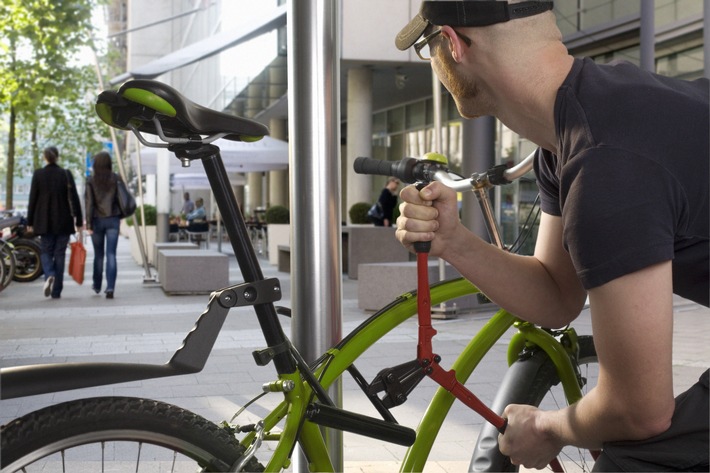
x=539 y=358
x=25 y=248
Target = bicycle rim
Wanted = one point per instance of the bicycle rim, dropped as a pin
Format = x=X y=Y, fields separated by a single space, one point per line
x=106 y=434
x=534 y=381
x=28 y=263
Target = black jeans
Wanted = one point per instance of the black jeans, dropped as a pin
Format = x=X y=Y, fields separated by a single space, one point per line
x=683 y=447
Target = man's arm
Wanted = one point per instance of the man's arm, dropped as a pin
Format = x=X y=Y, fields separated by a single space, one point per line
x=542 y=288
x=632 y=320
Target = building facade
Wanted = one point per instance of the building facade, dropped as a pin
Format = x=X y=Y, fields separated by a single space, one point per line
x=387 y=96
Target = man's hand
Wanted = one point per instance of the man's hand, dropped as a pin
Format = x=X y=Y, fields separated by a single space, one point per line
x=428 y=215
x=525 y=441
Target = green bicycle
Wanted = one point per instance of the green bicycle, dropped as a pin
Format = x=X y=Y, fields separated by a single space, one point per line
x=539 y=359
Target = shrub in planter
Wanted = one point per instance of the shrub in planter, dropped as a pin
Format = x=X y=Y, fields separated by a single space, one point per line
x=278 y=214
x=358 y=213
x=151 y=215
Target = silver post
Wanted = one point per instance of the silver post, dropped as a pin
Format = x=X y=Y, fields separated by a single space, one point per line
x=314 y=131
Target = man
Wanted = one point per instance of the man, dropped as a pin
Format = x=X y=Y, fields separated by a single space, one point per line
x=623 y=176
x=188 y=206
x=53 y=212
x=197 y=214
x=388 y=201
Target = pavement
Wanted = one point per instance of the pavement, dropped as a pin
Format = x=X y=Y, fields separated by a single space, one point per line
x=143 y=324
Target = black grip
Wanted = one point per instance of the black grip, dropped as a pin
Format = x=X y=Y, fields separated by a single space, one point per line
x=409 y=170
x=374 y=166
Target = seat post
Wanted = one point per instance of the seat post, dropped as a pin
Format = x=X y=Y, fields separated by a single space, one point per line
x=239 y=238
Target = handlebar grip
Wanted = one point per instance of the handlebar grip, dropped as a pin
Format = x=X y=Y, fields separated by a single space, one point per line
x=364 y=165
x=407 y=170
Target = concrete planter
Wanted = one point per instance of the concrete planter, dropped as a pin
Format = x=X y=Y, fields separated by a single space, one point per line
x=278 y=234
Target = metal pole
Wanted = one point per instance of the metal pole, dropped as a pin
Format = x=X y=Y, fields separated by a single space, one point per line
x=648 y=36
x=706 y=37
x=314 y=162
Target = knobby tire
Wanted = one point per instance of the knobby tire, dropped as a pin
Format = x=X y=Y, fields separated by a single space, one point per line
x=51 y=433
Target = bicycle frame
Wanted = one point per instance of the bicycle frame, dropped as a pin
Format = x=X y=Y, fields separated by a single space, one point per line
x=300 y=385
x=341 y=357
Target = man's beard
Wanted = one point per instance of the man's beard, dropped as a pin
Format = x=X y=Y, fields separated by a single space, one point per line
x=464 y=91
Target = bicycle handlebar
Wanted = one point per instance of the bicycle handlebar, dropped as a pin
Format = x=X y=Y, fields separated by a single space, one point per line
x=413 y=170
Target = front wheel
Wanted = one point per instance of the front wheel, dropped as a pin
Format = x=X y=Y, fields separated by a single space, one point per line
x=28 y=263
x=117 y=432
x=534 y=381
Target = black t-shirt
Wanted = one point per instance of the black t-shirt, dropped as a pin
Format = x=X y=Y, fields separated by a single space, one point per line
x=630 y=179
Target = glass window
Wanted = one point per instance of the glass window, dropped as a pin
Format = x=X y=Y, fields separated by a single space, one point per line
x=670 y=11
x=575 y=15
x=567 y=16
x=632 y=55
x=379 y=123
x=415 y=115
x=686 y=64
x=395 y=120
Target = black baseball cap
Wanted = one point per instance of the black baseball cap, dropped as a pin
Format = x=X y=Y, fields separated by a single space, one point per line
x=465 y=13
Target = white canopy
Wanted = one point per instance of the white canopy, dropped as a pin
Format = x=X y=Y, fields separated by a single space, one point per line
x=267 y=154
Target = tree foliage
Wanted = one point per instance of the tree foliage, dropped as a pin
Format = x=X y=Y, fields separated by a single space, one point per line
x=46 y=89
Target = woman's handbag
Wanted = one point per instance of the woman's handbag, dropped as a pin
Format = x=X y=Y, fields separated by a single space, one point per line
x=376 y=212
x=77 y=260
x=126 y=202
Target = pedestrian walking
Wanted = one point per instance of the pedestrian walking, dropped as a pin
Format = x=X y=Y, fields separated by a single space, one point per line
x=54 y=213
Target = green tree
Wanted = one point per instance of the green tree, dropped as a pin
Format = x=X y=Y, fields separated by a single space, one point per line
x=43 y=89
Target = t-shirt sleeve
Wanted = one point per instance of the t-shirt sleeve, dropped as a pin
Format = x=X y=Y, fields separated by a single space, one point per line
x=620 y=213
x=548 y=185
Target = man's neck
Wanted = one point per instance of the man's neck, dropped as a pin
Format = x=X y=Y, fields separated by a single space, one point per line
x=526 y=104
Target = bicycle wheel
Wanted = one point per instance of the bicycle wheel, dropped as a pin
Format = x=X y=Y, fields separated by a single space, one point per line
x=534 y=381
x=8 y=262
x=100 y=433
x=28 y=264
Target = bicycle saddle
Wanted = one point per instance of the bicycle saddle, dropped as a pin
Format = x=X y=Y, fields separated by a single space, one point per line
x=138 y=102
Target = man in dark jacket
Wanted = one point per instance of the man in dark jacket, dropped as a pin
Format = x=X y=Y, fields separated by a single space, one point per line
x=54 y=210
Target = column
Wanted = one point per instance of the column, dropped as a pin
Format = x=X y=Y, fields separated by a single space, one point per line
x=479 y=154
x=359 y=135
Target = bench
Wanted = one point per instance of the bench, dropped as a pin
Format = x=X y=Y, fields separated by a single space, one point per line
x=380 y=283
x=370 y=244
x=284 y=258
x=193 y=271
x=176 y=245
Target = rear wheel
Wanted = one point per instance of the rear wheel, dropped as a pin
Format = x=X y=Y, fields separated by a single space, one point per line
x=118 y=433
x=7 y=261
x=28 y=263
x=534 y=381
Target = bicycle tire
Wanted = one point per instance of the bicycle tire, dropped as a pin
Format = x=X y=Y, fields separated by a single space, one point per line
x=9 y=264
x=92 y=423
x=28 y=264
x=527 y=381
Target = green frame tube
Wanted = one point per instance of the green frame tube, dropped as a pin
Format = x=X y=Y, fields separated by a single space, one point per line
x=380 y=324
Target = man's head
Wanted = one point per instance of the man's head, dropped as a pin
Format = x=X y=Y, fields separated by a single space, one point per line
x=51 y=154
x=199 y=202
x=392 y=184
x=465 y=13
x=471 y=42
x=186 y=195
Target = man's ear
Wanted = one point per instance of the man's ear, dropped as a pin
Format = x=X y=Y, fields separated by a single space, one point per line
x=454 y=43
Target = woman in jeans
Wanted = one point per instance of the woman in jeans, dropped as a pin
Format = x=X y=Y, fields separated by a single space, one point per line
x=103 y=220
